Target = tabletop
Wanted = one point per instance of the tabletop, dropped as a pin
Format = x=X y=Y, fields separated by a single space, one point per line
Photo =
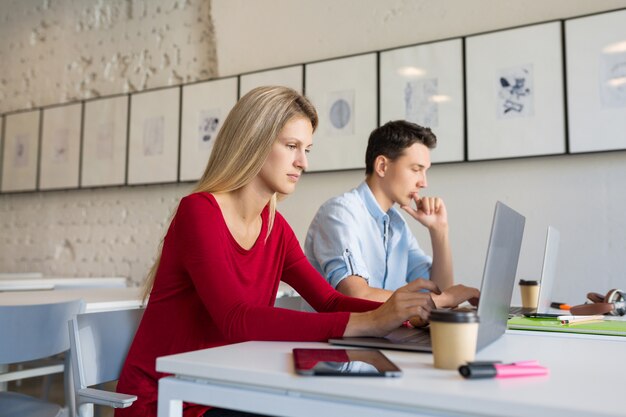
x=96 y=299
x=586 y=378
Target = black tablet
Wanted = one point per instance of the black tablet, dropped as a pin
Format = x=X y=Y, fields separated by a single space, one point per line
x=344 y=362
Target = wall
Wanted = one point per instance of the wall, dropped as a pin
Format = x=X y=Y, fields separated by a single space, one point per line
x=64 y=50
x=582 y=195
x=58 y=51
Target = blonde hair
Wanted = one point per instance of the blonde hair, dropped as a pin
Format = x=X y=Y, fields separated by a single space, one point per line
x=243 y=144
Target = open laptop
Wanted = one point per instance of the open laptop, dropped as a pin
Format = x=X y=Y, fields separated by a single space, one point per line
x=548 y=274
x=495 y=294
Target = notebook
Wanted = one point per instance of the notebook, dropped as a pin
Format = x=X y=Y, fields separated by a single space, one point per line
x=548 y=274
x=496 y=291
x=611 y=326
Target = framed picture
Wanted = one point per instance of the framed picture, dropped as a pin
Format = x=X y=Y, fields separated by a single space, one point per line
x=289 y=77
x=345 y=95
x=515 y=100
x=153 y=140
x=596 y=82
x=424 y=84
x=205 y=106
x=104 y=142
x=60 y=147
x=20 y=150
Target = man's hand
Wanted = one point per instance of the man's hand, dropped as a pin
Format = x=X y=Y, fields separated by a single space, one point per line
x=456 y=295
x=429 y=211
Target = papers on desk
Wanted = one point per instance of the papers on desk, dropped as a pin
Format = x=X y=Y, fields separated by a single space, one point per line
x=609 y=327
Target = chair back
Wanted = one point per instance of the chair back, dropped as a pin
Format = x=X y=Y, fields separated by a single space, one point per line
x=100 y=343
x=36 y=331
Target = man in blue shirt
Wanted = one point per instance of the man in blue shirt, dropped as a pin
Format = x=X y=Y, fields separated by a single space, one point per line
x=361 y=243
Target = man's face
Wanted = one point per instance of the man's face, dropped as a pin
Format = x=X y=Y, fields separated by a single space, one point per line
x=405 y=176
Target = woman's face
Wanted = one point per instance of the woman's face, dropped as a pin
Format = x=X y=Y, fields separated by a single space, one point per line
x=288 y=157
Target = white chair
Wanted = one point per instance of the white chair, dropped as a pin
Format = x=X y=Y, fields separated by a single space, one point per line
x=99 y=345
x=28 y=333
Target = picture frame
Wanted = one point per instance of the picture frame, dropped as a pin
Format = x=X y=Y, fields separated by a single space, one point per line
x=204 y=107
x=153 y=141
x=423 y=84
x=344 y=92
x=59 y=164
x=20 y=151
x=515 y=93
x=291 y=77
x=104 y=142
x=596 y=82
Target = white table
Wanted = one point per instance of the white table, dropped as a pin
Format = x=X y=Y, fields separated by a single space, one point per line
x=16 y=275
x=96 y=299
x=586 y=378
x=49 y=283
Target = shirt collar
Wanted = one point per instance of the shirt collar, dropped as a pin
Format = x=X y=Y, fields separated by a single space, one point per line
x=370 y=201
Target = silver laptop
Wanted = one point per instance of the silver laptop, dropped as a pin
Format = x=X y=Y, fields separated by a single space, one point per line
x=503 y=251
x=548 y=275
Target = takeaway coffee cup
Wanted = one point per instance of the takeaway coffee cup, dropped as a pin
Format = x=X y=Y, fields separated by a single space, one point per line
x=530 y=293
x=453 y=335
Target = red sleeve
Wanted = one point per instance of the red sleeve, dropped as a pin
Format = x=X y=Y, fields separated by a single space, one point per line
x=307 y=281
x=222 y=283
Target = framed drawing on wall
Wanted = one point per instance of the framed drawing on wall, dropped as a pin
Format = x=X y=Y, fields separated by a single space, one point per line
x=515 y=100
x=153 y=138
x=596 y=82
x=205 y=106
x=60 y=147
x=20 y=150
x=104 y=142
x=344 y=92
x=424 y=84
x=289 y=77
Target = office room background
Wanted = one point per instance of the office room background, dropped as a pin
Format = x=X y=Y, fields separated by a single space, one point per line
x=55 y=52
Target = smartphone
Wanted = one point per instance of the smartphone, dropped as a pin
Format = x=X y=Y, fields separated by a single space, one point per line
x=344 y=362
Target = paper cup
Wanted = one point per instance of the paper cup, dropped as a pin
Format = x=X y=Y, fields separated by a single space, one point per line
x=453 y=335
x=530 y=293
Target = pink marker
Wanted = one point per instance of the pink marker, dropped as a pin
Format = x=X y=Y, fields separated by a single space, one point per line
x=498 y=370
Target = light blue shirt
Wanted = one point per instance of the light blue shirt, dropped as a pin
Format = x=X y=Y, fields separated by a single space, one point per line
x=352 y=235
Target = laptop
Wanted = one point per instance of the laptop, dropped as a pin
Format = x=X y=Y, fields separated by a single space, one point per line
x=496 y=291
x=548 y=274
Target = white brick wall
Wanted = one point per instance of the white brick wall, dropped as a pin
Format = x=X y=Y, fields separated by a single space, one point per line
x=64 y=50
x=99 y=232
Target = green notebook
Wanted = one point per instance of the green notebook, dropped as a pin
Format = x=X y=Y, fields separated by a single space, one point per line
x=607 y=327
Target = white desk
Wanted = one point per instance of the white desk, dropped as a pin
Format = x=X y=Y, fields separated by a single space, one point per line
x=587 y=379
x=18 y=275
x=49 y=283
x=96 y=299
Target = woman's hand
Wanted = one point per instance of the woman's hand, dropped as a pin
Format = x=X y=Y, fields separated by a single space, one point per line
x=407 y=302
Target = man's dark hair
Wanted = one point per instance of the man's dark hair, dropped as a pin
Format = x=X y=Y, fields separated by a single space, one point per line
x=392 y=138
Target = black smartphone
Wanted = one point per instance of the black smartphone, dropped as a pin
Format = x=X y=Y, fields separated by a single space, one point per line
x=343 y=362
x=541 y=315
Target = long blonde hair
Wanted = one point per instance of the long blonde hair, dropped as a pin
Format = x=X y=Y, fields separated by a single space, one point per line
x=243 y=144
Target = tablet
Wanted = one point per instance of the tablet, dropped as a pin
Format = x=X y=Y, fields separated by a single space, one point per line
x=344 y=362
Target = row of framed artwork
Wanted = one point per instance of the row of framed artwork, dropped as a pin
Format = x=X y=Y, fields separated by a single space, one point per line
x=542 y=89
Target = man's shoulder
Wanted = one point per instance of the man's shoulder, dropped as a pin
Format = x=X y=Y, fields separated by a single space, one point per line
x=348 y=202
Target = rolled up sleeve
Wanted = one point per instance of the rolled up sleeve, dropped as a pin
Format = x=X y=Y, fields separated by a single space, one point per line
x=332 y=245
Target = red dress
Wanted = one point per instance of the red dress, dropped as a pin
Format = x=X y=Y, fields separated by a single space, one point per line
x=209 y=292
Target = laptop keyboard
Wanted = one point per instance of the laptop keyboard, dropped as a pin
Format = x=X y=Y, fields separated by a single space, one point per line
x=406 y=335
